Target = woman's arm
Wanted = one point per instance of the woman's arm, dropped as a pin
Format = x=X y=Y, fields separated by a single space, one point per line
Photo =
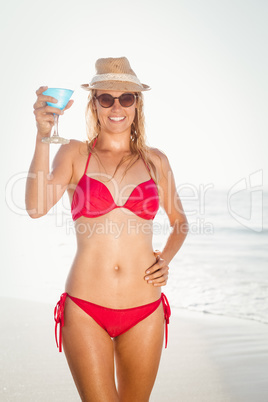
x=170 y=201
x=44 y=189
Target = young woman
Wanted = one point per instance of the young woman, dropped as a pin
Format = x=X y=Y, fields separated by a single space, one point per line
x=112 y=308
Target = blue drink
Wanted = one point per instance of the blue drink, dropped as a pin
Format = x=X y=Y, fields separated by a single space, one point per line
x=63 y=96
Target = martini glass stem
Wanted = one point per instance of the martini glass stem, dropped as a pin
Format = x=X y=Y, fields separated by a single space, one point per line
x=56 y=123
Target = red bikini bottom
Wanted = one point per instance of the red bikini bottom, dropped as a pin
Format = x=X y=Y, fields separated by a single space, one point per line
x=114 y=321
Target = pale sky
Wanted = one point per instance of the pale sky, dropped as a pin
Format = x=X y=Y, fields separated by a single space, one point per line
x=206 y=62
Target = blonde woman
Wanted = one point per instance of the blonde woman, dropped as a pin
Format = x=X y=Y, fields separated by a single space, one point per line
x=112 y=309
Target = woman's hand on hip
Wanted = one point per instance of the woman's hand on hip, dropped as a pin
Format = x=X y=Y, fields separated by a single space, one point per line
x=157 y=274
x=44 y=113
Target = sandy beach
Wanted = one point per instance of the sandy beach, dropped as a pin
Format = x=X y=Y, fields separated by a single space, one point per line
x=209 y=358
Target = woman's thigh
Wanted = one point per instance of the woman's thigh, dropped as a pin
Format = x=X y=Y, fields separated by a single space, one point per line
x=137 y=354
x=90 y=354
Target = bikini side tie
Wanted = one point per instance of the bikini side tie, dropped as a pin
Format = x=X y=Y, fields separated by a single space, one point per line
x=59 y=319
x=167 y=314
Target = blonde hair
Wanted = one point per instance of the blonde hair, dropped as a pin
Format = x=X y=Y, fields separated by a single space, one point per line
x=138 y=145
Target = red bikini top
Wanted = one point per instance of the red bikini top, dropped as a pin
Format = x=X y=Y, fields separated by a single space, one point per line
x=92 y=198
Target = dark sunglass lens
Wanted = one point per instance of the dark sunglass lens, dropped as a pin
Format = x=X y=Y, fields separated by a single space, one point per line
x=106 y=100
x=127 y=100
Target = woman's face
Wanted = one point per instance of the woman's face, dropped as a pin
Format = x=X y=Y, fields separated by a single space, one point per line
x=115 y=119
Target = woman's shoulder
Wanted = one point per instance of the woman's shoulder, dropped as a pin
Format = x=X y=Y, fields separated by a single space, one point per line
x=161 y=163
x=76 y=145
x=79 y=147
x=70 y=153
x=158 y=157
x=73 y=149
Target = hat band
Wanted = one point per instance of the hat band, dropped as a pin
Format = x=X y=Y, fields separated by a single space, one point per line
x=115 y=77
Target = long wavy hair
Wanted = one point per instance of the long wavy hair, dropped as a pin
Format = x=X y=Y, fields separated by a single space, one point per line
x=138 y=145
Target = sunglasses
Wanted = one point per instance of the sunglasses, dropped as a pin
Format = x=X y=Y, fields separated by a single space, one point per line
x=107 y=100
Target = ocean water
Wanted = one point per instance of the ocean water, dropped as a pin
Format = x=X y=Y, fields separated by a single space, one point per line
x=221 y=268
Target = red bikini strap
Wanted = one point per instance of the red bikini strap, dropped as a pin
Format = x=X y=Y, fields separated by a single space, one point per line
x=89 y=155
x=146 y=164
x=167 y=314
x=59 y=319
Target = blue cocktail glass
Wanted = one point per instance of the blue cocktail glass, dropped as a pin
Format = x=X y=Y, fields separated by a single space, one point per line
x=63 y=96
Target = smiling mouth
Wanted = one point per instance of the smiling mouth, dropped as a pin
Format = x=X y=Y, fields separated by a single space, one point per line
x=116 y=119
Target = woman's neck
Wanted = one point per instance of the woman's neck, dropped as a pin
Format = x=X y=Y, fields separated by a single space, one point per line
x=113 y=142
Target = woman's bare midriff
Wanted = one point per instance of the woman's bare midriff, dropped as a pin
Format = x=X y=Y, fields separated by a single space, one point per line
x=113 y=253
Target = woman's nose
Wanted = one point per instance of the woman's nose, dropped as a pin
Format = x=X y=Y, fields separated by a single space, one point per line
x=116 y=105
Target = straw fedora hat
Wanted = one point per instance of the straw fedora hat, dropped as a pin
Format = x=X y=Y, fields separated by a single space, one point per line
x=115 y=74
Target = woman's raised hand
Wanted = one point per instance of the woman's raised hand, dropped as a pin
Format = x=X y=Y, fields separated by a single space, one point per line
x=44 y=113
x=157 y=274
